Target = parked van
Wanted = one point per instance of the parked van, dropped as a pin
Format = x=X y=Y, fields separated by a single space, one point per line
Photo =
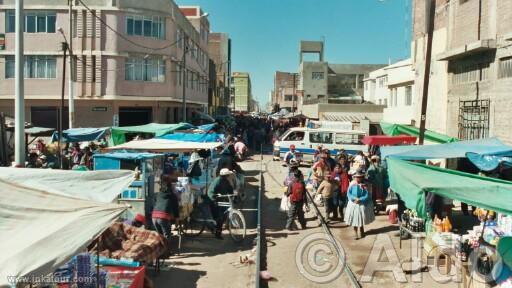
x=306 y=141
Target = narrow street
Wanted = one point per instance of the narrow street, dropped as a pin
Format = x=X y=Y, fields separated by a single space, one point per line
x=206 y=261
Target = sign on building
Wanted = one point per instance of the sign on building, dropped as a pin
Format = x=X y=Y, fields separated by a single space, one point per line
x=2 y=41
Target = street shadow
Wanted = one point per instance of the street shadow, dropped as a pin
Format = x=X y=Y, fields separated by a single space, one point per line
x=382 y=230
x=185 y=278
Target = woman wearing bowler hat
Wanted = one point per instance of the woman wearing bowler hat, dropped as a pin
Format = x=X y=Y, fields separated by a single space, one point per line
x=359 y=210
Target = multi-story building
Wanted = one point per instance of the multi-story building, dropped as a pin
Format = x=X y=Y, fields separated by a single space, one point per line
x=393 y=87
x=471 y=74
x=127 y=57
x=242 y=91
x=219 y=47
x=285 y=91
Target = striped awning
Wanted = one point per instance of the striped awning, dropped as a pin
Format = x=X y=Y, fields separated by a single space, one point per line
x=351 y=117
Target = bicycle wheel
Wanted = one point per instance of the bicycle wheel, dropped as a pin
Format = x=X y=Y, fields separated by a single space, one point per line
x=236 y=225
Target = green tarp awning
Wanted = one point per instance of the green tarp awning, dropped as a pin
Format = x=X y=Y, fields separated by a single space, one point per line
x=411 y=181
x=397 y=129
x=118 y=133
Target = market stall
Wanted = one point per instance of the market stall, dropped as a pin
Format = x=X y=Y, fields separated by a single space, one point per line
x=47 y=217
x=82 y=135
x=475 y=247
x=376 y=141
x=140 y=194
x=157 y=145
x=430 y=136
x=153 y=129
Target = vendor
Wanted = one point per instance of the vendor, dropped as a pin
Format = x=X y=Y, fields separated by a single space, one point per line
x=166 y=207
x=221 y=185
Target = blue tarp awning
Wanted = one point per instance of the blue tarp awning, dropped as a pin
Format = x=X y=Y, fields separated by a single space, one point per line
x=126 y=155
x=81 y=134
x=486 y=154
x=189 y=137
x=207 y=127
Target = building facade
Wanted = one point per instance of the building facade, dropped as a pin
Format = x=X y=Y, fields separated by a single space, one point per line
x=219 y=47
x=473 y=61
x=285 y=91
x=393 y=87
x=127 y=58
x=242 y=91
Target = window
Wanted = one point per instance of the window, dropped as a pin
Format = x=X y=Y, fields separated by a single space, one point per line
x=320 y=137
x=35 y=21
x=464 y=72
x=288 y=97
x=140 y=69
x=366 y=86
x=386 y=102
x=383 y=81
x=179 y=38
x=317 y=75
x=36 y=67
x=295 y=136
x=408 y=96
x=380 y=101
x=147 y=26
x=179 y=74
x=353 y=139
x=505 y=68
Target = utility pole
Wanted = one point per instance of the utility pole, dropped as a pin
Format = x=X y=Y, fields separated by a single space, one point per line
x=294 y=95
x=19 y=102
x=61 y=110
x=184 y=103
x=430 y=11
x=70 y=80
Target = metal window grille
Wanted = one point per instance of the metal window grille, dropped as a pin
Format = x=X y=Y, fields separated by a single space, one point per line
x=474 y=119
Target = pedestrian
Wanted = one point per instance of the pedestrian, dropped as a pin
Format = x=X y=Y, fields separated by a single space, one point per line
x=297 y=195
x=328 y=159
x=320 y=169
x=326 y=190
x=293 y=167
x=359 y=207
x=87 y=159
x=166 y=207
x=138 y=221
x=290 y=155
x=340 y=192
x=375 y=176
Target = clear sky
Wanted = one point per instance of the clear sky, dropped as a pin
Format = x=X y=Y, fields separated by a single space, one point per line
x=265 y=34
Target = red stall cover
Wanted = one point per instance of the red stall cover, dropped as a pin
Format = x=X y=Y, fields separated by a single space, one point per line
x=388 y=140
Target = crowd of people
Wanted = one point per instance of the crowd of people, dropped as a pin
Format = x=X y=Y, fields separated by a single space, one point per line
x=349 y=187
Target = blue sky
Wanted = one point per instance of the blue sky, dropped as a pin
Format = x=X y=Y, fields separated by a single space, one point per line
x=265 y=34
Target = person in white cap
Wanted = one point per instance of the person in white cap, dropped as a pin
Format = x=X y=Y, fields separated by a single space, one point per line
x=221 y=185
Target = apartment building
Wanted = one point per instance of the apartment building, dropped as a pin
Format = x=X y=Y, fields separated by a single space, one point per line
x=285 y=94
x=471 y=75
x=127 y=55
x=393 y=87
x=242 y=91
x=219 y=47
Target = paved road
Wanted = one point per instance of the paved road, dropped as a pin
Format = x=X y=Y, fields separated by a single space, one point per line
x=208 y=262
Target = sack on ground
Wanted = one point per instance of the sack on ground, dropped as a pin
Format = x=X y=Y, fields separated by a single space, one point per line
x=285 y=204
x=319 y=200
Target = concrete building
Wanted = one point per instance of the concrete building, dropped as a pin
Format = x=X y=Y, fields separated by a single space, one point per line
x=128 y=73
x=219 y=47
x=393 y=87
x=242 y=91
x=285 y=91
x=472 y=67
x=335 y=91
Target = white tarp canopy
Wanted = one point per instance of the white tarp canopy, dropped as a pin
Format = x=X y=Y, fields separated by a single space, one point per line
x=163 y=146
x=40 y=230
x=101 y=186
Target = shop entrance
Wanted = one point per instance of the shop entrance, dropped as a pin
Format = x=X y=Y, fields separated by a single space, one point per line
x=129 y=116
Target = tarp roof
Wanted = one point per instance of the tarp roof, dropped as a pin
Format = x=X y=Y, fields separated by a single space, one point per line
x=118 y=133
x=81 y=134
x=39 y=131
x=207 y=127
x=102 y=186
x=41 y=230
x=388 y=140
x=412 y=180
x=189 y=137
x=126 y=155
x=445 y=151
x=397 y=129
x=164 y=146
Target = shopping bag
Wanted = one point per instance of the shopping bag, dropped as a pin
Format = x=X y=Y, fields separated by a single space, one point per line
x=319 y=200
x=285 y=204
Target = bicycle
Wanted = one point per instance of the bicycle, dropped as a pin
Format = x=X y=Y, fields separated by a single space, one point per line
x=201 y=218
